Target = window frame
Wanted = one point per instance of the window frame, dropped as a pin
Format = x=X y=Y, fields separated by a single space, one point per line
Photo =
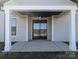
x=13 y=26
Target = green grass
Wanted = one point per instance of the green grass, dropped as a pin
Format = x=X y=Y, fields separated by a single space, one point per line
x=40 y=55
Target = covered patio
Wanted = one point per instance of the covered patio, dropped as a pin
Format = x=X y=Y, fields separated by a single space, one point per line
x=39 y=46
x=52 y=45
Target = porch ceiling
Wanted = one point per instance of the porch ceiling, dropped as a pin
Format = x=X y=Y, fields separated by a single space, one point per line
x=44 y=14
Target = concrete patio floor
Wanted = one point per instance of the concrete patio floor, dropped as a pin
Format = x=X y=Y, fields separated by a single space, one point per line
x=39 y=46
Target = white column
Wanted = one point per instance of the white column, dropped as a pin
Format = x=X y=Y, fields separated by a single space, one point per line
x=52 y=29
x=26 y=28
x=7 y=31
x=72 y=42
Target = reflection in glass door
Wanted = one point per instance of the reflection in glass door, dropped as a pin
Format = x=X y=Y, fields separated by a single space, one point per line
x=39 y=29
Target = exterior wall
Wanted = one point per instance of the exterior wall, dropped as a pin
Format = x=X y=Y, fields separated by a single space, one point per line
x=50 y=29
x=48 y=26
x=1 y=26
x=61 y=27
x=20 y=27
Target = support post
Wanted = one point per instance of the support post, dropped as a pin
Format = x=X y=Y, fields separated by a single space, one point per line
x=72 y=42
x=7 y=31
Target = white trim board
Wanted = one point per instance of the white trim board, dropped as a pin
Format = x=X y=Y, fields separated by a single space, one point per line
x=41 y=8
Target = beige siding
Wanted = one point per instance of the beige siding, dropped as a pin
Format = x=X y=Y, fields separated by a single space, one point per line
x=49 y=28
x=21 y=27
x=61 y=27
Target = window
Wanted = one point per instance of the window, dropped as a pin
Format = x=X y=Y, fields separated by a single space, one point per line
x=13 y=26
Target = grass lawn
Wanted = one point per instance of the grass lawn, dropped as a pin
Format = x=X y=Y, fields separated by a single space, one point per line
x=39 y=55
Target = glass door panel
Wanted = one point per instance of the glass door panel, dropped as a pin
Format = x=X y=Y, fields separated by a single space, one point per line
x=43 y=32
x=36 y=28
